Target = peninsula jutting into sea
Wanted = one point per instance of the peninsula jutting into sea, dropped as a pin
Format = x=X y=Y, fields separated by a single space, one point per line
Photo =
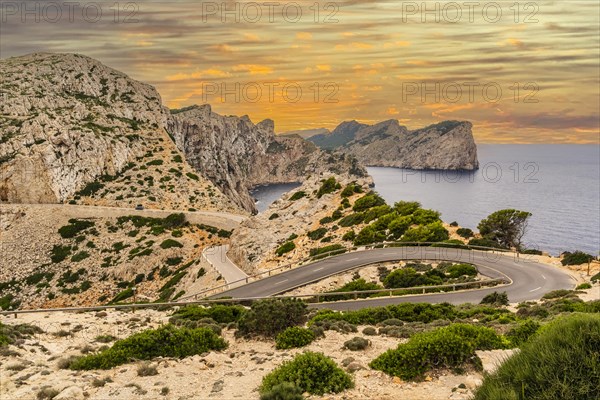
x=299 y=202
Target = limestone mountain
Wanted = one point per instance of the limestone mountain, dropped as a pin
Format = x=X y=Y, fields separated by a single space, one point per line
x=306 y=133
x=73 y=129
x=236 y=155
x=448 y=145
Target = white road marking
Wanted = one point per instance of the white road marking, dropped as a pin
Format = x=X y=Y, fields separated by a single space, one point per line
x=544 y=277
x=353 y=259
x=279 y=283
x=318 y=269
x=535 y=289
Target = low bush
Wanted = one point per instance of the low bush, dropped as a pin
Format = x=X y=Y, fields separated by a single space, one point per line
x=369 y=331
x=448 y=347
x=311 y=372
x=317 y=233
x=458 y=270
x=357 y=343
x=285 y=248
x=298 y=195
x=576 y=258
x=495 y=298
x=595 y=277
x=368 y=201
x=349 y=236
x=269 y=317
x=330 y=250
x=465 y=232
x=283 y=391
x=74 y=228
x=166 y=341
x=583 y=286
x=294 y=337
x=356 y=285
x=338 y=326
x=329 y=185
x=560 y=362
x=521 y=333
x=170 y=243
x=145 y=369
x=223 y=314
x=352 y=219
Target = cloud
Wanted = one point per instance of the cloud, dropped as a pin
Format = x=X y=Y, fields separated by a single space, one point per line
x=253 y=69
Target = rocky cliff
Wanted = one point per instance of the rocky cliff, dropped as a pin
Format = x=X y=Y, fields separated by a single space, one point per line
x=73 y=129
x=448 y=145
x=236 y=154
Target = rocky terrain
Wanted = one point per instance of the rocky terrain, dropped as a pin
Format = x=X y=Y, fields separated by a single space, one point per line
x=448 y=145
x=236 y=154
x=73 y=129
x=53 y=258
x=311 y=222
x=234 y=373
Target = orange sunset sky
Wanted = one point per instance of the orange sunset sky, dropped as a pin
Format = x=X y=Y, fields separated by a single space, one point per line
x=363 y=60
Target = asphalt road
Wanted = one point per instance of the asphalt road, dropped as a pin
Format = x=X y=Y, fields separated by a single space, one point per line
x=217 y=257
x=530 y=279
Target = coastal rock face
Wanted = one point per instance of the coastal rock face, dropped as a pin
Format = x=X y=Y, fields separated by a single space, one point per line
x=236 y=154
x=67 y=121
x=448 y=145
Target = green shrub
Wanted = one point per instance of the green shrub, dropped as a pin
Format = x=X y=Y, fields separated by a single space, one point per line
x=352 y=219
x=521 y=333
x=330 y=185
x=356 y=343
x=285 y=248
x=294 y=337
x=458 y=270
x=74 y=228
x=368 y=235
x=595 y=277
x=317 y=233
x=560 y=362
x=448 y=347
x=369 y=331
x=170 y=243
x=269 y=317
x=368 y=201
x=332 y=249
x=298 y=195
x=399 y=226
x=82 y=255
x=576 y=258
x=555 y=294
x=408 y=277
x=465 y=232
x=583 y=286
x=434 y=232
x=349 y=236
x=311 y=372
x=125 y=294
x=283 y=391
x=425 y=217
x=377 y=212
x=404 y=208
x=483 y=242
x=222 y=314
x=495 y=298
x=166 y=341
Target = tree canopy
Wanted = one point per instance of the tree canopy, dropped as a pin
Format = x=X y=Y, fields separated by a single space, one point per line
x=506 y=227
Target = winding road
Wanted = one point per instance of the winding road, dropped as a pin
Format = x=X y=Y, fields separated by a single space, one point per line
x=530 y=279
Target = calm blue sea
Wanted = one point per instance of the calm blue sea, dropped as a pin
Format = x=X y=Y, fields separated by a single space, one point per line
x=559 y=184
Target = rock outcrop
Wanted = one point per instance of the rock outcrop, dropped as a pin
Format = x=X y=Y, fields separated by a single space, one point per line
x=236 y=154
x=73 y=129
x=448 y=145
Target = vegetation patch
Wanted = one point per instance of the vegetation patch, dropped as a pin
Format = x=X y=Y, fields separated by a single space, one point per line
x=449 y=347
x=311 y=372
x=561 y=362
x=294 y=337
x=166 y=341
x=269 y=317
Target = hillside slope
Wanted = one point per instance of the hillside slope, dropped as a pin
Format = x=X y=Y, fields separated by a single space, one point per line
x=73 y=129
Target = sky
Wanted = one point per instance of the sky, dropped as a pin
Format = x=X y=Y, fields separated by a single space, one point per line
x=521 y=72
